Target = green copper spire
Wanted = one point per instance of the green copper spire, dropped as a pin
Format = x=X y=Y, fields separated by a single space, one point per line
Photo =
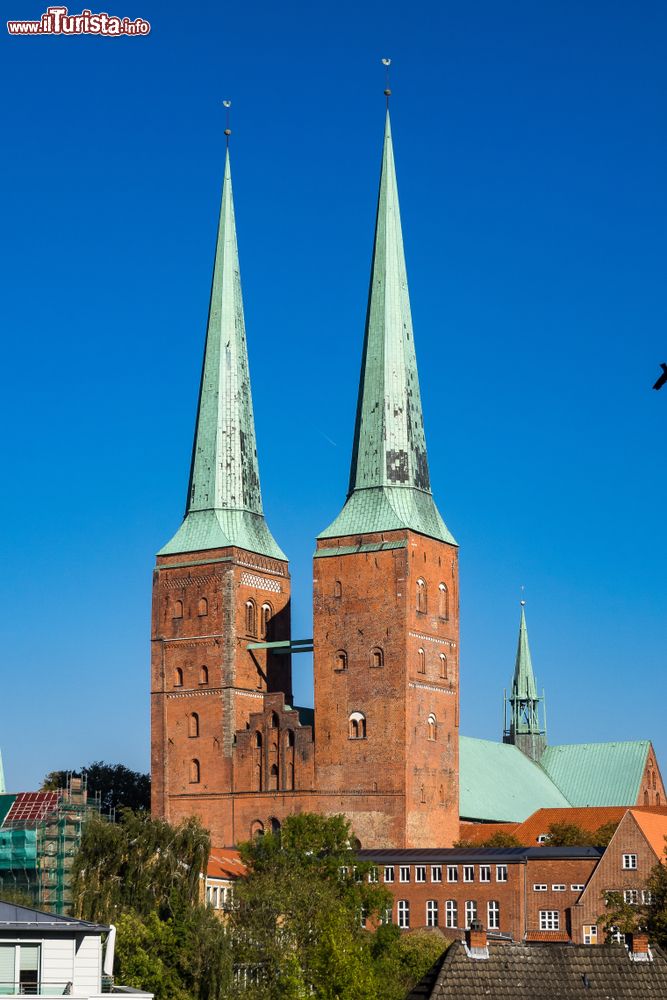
x=389 y=479
x=524 y=729
x=224 y=503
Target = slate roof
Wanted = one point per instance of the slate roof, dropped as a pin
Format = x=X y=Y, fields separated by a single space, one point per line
x=23 y=918
x=554 y=971
x=597 y=774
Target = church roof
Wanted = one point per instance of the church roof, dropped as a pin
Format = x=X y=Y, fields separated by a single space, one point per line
x=597 y=774
x=499 y=782
x=224 y=502
x=389 y=485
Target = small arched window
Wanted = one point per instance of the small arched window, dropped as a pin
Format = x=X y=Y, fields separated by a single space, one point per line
x=257 y=829
x=338 y=589
x=193 y=725
x=178 y=678
x=202 y=607
x=340 y=660
x=178 y=609
x=422 y=597
x=443 y=666
x=421 y=661
x=251 y=618
x=357 y=726
x=377 y=657
x=443 y=601
x=432 y=727
x=258 y=740
x=273 y=778
x=267 y=615
x=195 y=772
x=203 y=675
x=289 y=738
x=274 y=720
x=275 y=825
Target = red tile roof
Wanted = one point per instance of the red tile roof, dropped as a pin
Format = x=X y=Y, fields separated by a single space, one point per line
x=32 y=807
x=479 y=833
x=225 y=863
x=653 y=824
x=589 y=818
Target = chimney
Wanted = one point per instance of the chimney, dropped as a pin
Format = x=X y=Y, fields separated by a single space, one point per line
x=476 y=943
x=639 y=949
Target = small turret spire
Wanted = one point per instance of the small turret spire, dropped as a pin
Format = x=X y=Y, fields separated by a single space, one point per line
x=389 y=476
x=224 y=502
x=525 y=730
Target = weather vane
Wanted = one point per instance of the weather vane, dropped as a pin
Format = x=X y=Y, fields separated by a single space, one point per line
x=227 y=105
x=387 y=92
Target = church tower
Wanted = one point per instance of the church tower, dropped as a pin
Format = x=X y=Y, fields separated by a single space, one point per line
x=386 y=596
x=221 y=583
x=525 y=729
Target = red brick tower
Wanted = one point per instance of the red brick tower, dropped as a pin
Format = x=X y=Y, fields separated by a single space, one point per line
x=386 y=598
x=220 y=583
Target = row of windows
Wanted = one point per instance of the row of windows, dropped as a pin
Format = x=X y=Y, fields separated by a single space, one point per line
x=356 y=726
x=265 y=616
x=450 y=913
x=647 y=798
x=451 y=871
x=376 y=659
x=634 y=896
x=203 y=677
x=421 y=597
x=542 y=887
x=220 y=897
x=202 y=608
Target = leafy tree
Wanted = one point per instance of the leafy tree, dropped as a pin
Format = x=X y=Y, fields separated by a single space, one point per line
x=619 y=915
x=118 y=785
x=603 y=834
x=401 y=960
x=499 y=839
x=568 y=835
x=656 y=910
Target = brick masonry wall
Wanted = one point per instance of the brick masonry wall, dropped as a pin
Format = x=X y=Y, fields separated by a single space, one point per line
x=652 y=790
x=542 y=871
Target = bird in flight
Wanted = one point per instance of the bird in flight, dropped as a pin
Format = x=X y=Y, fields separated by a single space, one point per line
x=663 y=378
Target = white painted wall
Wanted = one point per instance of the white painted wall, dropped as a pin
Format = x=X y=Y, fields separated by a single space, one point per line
x=88 y=964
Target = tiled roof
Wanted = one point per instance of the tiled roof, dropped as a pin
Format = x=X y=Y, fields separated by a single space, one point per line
x=589 y=819
x=554 y=971
x=653 y=824
x=499 y=782
x=225 y=864
x=31 y=807
x=597 y=774
x=479 y=833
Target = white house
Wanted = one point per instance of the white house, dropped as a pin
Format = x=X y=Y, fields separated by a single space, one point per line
x=42 y=954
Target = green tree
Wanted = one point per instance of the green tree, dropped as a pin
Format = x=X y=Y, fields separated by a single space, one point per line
x=499 y=839
x=568 y=835
x=656 y=910
x=118 y=785
x=401 y=960
x=619 y=915
x=603 y=834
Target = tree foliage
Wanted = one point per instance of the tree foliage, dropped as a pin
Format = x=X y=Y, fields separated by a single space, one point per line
x=572 y=835
x=118 y=785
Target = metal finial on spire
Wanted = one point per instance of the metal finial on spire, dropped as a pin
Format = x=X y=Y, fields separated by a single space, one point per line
x=227 y=105
x=522 y=602
x=387 y=92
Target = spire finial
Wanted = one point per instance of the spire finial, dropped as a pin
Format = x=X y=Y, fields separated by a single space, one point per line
x=522 y=602
x=227 y=105
x=387 y=92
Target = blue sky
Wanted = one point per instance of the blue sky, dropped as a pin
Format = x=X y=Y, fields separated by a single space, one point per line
x=531 y=148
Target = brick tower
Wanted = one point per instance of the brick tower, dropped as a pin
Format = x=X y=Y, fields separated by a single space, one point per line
x=386 y=597
x=220 y=583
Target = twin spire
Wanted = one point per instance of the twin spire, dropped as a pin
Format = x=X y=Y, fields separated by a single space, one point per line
x=389 y=477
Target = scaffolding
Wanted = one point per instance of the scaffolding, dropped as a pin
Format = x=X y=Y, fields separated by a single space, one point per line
x=58 y=841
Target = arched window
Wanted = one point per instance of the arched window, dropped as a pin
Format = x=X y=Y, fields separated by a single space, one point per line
x=275 y=825
x=194 y=772
x=267 y=615
x=340 y=660
x=357 y=726
x=203 y=675
x=193 y=725
x=338 y=589
x=250 y=618
x=289 y=737
x=178 y=609
x=202 y=608
x=443 y=601
x=432 y=727
x=421 y=661
x=443 y=667
x=422 y=597
x=258 y=740
x=178 y=678
x=257 y=829
x=274 y=720
x=273 y=778
x=377 y=657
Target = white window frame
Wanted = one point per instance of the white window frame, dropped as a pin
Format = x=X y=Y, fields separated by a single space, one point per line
x=431 y=912
x=647 y=896
x=452 y=873
x=389 y=873
x=403 y=914
x=493 y=915
x=451 y=913
x=387 y=916
x=436 y=873
x=485 y=873
x=501 y=873
x=468 y=873
x=470 y=912
x=629 y=862
x=558 y=888
x=420 y=873
x=549 y=920
x=590 y=933
x=575 y=887
x=404 y=873
x=373 y=874
x=631 y=896
x=540 y=887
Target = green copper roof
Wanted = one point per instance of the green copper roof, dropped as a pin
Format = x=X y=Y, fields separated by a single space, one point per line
x=389 y=478
x=597 y=774
x=523 y=684
x=498 y=782
x=224 y=503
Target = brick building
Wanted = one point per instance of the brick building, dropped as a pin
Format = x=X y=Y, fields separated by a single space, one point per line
x=382 y=745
